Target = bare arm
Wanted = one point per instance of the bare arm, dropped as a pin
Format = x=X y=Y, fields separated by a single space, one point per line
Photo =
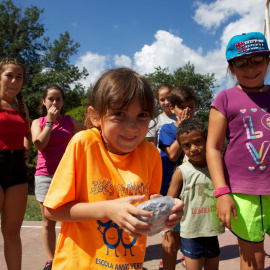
x=173 y=151
x=215 y=143
x=176 y=184
x=77 y=125
x=40 y=137
x=169 y=243
x=27 y=142
x=121 y=211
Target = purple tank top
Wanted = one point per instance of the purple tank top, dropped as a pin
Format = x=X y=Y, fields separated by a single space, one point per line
x=247 y=156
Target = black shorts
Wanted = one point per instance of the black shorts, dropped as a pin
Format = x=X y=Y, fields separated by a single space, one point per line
x=12 y=168
x=196 y=248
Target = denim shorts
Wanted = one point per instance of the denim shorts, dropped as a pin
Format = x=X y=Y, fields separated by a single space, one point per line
x=12 y=168
x=196 y=248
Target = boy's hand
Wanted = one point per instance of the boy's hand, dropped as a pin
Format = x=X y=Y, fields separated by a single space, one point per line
x=176 y=217
x=122 y=212
x=226 y=206
x=186 y=113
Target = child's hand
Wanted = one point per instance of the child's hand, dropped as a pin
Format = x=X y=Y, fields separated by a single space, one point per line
x=169 y=243
x=185 y=114
x=176 y=217
x=26 y=154
x=122 y=212
x=153 y=196
x=226 y=206
x=52 y=114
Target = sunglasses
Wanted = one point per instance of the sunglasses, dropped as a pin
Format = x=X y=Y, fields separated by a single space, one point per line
x=243 y=62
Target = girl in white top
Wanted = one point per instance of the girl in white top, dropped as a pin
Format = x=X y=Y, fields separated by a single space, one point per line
x=166 y=117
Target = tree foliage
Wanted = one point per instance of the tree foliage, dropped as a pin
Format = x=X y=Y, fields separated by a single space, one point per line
x=203 y=85
x=22 y=35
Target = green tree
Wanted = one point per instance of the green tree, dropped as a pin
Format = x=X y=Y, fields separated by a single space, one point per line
x=202 y=84
x=22 y=35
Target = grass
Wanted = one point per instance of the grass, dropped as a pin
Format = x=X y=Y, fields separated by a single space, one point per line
x=32 y=212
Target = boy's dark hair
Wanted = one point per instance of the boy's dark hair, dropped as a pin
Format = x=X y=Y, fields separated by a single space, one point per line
x=180 y=94
x=189 y=125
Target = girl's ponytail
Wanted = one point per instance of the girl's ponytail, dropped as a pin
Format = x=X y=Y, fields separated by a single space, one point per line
x=21 y=103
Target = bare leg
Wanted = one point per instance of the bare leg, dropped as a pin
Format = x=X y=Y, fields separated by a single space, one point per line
x=12 y=217
x=193 y=264
x=48 y=234
x=251 y=255
x=169 y=260
x=2 y=196
x=211 y=263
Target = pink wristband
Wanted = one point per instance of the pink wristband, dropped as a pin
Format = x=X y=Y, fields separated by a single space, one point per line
x=221 y=191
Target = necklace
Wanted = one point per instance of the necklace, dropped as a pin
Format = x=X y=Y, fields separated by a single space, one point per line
x=253 y=89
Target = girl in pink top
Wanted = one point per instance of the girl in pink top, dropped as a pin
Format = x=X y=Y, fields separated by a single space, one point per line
x=51 y=135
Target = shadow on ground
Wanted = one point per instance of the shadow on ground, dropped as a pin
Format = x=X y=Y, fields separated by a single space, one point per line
x=229 y=252
x=153 y=252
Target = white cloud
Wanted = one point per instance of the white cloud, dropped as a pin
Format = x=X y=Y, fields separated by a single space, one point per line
x=122 y=61
x=169 y=50
x=213 y=14
x=95 y=65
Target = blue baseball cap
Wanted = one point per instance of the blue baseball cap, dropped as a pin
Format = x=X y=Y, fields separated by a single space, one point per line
x=245 y=44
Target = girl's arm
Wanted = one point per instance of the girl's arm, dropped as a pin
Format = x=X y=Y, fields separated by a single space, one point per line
x=77 y=125
x=121 y=211
x=27 y=139
x=40 y=137
x=215 y=142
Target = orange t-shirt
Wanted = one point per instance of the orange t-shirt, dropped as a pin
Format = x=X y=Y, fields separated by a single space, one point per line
x=89 y=173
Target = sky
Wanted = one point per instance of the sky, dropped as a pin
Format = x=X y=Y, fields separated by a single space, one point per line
x=144 y=34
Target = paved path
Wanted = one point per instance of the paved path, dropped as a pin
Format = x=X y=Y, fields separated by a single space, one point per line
x=34 y=254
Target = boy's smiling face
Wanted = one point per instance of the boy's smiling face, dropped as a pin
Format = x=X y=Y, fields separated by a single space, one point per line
x=194 y=146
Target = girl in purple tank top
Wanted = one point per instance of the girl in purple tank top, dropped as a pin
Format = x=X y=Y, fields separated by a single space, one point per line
x=241 y=176
x=51 y=135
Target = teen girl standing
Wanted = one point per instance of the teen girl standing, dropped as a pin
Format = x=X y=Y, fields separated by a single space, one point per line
x=51 y=135
x=104 y=171
x=241 y=176
x=166 y=117
x=15 y=145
